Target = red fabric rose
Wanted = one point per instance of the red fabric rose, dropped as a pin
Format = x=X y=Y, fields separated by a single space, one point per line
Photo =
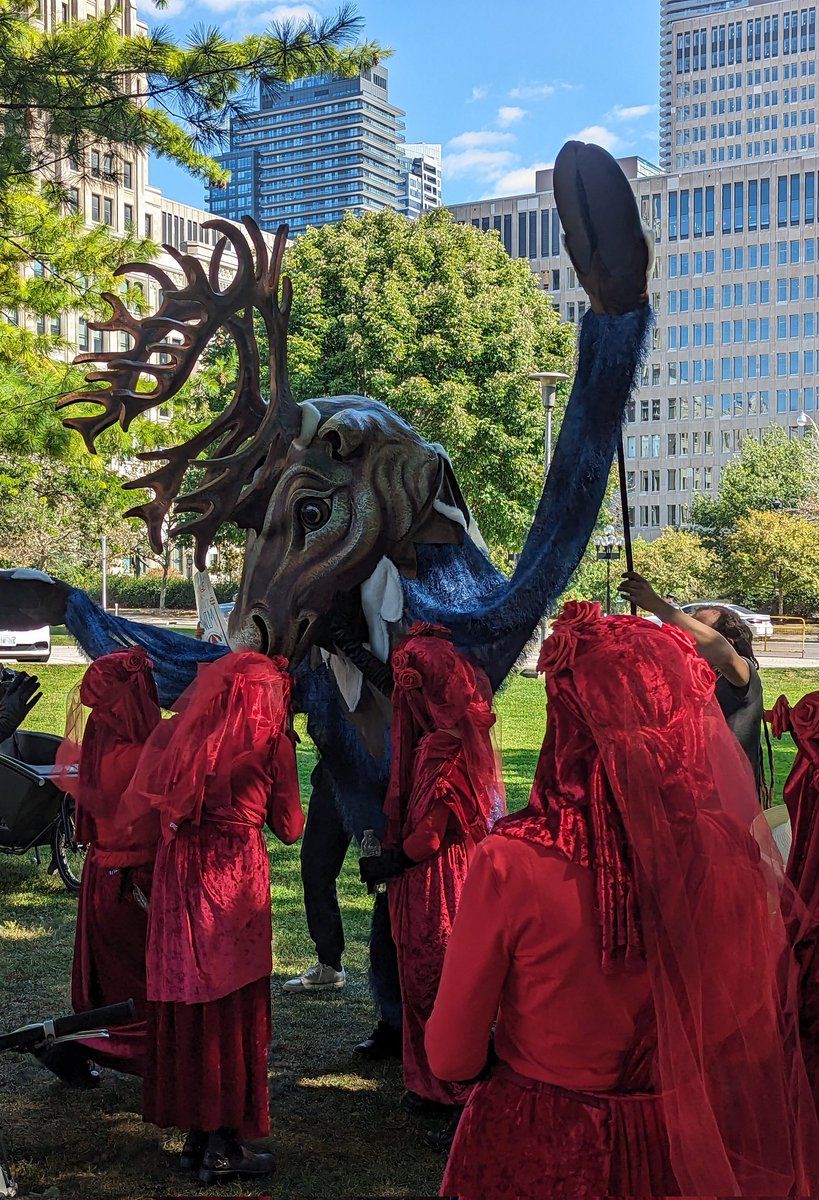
x=136 y=659
x=408 y=678
x=558 y=651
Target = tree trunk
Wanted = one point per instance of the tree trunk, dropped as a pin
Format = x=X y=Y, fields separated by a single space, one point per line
x=781 y=601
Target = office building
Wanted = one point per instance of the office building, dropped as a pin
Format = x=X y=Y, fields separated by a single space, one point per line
x=315 y=149
x=736 y=280
x=420 y=177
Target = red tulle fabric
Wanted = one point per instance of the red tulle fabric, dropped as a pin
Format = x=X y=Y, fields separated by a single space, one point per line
x=641 y=780
x=437 y=690
x=444 y=793
x=104 y=748
x=215 y=773
x=207 y=1065
x=801 y=796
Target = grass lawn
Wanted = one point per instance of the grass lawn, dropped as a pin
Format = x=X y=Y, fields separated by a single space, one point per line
x=336 y=1129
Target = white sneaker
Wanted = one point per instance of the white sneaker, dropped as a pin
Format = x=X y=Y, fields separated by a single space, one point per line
x=319 y=978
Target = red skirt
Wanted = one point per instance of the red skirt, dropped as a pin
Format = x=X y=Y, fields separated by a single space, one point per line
x=519 y=1139
x=423 y=904
x=109 y=957
x=206 y=1066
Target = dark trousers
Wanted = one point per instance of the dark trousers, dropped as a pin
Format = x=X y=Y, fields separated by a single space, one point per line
x=323 y=850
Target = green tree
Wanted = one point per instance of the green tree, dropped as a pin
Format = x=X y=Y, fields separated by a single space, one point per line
x=437 y=321
x=774 y=471
x=677 y=563
x=773 y=557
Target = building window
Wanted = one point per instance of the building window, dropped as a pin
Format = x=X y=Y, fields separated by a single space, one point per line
x=82 y=333
x=782 y=201
x=95 y=207
x=95 y=163
x=128 y=174
x=128 y=211
x=74 y=200
x=149 y=225
x=726 y=208
x=108 y=210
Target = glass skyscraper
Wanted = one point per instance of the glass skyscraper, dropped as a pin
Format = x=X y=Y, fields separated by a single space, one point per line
x=316 y=149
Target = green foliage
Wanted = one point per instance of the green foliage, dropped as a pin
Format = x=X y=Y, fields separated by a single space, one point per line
x=143 y=591
x=87 y=82
x=772 y=559
x=677 y=563
x=772 y=472
x=437 y=321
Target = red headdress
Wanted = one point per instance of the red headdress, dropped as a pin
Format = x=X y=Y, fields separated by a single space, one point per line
x=230 y=718
x=120 y=691
x=641 y=781
x=439 y=695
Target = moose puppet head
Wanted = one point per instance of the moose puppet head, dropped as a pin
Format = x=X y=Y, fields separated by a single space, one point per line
x=330 y=490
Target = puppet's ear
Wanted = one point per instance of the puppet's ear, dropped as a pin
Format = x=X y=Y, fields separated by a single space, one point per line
x=30 y=599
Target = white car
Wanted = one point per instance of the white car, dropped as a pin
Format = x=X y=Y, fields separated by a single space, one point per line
x=30 y=645
x=760 y=624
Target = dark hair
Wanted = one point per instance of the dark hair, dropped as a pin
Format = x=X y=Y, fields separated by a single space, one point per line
x=733 y=629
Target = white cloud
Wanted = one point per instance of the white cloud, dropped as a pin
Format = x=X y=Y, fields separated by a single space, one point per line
x=250 y=15
x=478 y=93
x=518 y=181
x=510 y=114
x=483 y=163
x=601 y=136
x=634 y=113
x=540 y=91
x=476 y=138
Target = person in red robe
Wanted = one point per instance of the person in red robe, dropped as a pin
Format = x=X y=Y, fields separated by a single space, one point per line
x=801 y=796
x=115 y=890
x=215 y=773
x=624 y=936
x=442 y=798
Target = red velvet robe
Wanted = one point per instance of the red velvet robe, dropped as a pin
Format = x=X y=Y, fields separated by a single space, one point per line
x=112 y=917
x=441 y=829
x=210 y=956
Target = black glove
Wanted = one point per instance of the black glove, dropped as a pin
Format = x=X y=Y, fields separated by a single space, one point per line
x=378 y=868
x=16 y=701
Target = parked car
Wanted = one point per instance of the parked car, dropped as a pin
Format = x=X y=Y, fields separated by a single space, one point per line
x=32 y=645
x=760 y=624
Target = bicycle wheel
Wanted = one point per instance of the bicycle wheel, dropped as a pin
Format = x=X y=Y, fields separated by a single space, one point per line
x=67 y=856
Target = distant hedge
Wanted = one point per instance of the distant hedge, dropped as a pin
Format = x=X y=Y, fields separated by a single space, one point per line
x=142 y=591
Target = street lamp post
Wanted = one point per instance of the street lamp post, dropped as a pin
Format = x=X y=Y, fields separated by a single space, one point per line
x=804 y=419
x=609 y=548
x=548 y=381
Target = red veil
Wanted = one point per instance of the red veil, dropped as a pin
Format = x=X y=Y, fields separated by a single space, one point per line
x=439 y=693
x=120 y=691
x=228 y=721
x=641 y=781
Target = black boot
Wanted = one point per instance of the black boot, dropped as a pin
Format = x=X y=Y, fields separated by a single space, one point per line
x=71 y=1064
x=228 y=1158
x=383 y=1042
x=441 y=1139
x=193 y=1151
x=419 y=1106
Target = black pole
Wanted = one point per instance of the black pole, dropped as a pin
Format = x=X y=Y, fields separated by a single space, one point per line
x=621 y=463
x=608 y=585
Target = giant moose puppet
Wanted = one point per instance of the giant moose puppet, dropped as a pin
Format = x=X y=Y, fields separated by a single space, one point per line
x=356 y=526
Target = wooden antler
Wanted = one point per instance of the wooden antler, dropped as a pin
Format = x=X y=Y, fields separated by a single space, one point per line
x=250 y=431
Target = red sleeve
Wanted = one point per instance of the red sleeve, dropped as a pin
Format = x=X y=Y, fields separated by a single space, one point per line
x=428 y=834
x=475 y=967
x=284 y=812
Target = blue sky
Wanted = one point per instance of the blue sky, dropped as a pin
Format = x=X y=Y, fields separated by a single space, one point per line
x=501 y=83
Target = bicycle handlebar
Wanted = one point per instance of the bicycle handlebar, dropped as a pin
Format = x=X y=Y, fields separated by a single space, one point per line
x=29 y=1036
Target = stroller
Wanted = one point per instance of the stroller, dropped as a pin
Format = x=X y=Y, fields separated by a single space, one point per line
x=34 y=810
x=36 y=1037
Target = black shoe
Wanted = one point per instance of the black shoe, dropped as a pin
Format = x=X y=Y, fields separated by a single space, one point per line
x=234 y=1161
x=419 y=1106
x=71 y=1064
x=440 y=1140
x=383 y=1042
x=196 y=1143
